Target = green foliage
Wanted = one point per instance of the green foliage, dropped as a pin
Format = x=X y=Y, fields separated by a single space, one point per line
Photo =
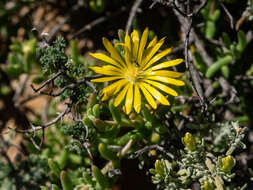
x=102 y=181
x=194 y=164
x=232 y=53
x=21 y=58
x=54 y=58
x=66 y=181
x=25 y=173
x=211 y=14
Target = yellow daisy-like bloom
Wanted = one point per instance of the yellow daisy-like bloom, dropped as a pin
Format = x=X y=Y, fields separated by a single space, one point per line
x=137 y=72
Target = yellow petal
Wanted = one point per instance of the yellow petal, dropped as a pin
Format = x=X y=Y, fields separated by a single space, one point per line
x=157 y=57
x=128 y=42
x=153 y=42
x=148 y=97
x=127 y=56
x=106 y=70
x=150 y=46
x=120 y=86
x=105 y=97
x=121 y=96
x=166 y=80
x=129 y=99
x=116 y=85
x=152 y=51
x=119 y=44
x=137 y=98
x=105 y=79
x=156 y=94
x=164 y=73
x=135 y=40
x=163 y=87
x=166 y=64
x=143 y=42
x=105 y=58
x=112 y=51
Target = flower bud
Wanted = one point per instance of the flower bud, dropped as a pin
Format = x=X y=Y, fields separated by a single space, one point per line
x=189 y=141
x=96 y=110
x=227 y=164
x=159 y=167
x=155 y=138
x=153 y=152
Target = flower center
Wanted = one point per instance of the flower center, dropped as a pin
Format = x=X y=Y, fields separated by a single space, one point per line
x=132 y=73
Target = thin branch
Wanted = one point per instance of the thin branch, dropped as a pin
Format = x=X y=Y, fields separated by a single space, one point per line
x=125 y=148
x=194 y=13
x=47 y=82
x=242 y=77
x=229 y=15
x=120 y=154
x=39 y=127
x=186 y=26
x=71 y=86
x=132 y=14
x=66 y=18
x=201 y=49
x=197 y=11
x=166 y=3
x=92 y=86
x=178 y=9
x=34 y=143
x=99 y=21
x=193 y=73
x=244 y=16
x=43 y=137
x=186 y=20
x=86 y=146
x=186 y=46
x=228 y=89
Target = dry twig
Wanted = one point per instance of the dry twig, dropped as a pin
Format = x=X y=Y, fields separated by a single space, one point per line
x=99 y=20
x=132 y=14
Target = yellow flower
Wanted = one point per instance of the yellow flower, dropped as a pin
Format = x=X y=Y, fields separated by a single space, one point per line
x=137 y=72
